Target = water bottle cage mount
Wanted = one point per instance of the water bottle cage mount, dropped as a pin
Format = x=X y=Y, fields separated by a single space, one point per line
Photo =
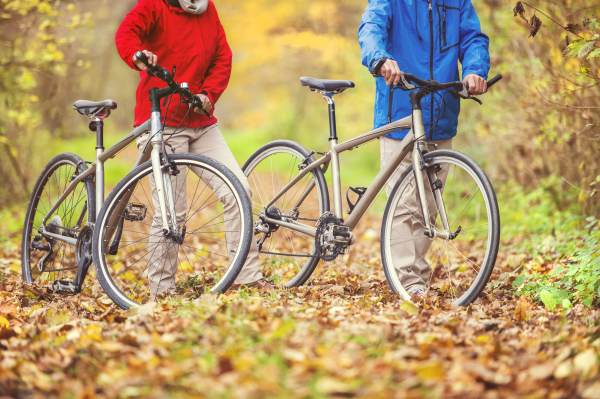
x=360 y=191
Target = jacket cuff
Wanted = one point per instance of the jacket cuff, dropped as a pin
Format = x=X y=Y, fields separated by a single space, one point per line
x=378 y=57
x=131 y=64
x=207 y=94
x=475 y=71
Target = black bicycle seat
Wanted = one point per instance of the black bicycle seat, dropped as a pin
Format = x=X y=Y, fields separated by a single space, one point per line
x=85 y=107
x=336 y=86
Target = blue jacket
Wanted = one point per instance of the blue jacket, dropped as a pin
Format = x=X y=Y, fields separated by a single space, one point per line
x=412 y=33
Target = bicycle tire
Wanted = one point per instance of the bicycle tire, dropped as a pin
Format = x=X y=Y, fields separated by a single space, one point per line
x=492 y=241
x=73 y=164
x=132 y=180
x=300 y=153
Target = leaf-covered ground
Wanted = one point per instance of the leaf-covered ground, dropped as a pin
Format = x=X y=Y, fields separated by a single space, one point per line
x=342 y=335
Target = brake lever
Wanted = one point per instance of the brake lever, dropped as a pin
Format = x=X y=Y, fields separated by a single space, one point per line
x=474 y=99
x=196 y=103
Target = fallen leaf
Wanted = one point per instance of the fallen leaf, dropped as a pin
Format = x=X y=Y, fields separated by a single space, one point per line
x=520 y=312
x=410 y=308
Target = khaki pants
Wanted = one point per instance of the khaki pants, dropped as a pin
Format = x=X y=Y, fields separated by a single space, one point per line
x=408 y=255
x=163 y=260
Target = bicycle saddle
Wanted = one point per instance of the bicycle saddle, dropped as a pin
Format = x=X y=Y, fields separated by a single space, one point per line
x=100 y=109
x=336 y=86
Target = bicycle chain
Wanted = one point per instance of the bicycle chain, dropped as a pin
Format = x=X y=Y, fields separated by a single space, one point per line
x=325 y=219
x=294 y=255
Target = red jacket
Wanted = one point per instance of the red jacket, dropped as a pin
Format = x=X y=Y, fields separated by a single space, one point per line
x=195 y=44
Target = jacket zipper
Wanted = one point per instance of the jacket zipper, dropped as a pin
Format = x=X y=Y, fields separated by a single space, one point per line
x=431 y=59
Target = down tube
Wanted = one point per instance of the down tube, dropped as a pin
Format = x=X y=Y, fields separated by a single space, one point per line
x=381 y=178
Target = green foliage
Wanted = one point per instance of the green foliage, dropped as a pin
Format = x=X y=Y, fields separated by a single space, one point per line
x=548 y=300
x=577 y=278
x=38 y=48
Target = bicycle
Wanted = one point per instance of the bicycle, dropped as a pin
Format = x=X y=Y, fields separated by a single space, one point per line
x=291 y=194
x=68 y=224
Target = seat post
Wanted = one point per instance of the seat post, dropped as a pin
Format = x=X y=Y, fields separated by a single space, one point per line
x=335 y=160
x=99 y=133
x=99 y=164
x=332 y=125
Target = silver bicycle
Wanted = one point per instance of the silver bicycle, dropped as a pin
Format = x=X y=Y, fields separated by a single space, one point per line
x=460 y=222
x=161 y=228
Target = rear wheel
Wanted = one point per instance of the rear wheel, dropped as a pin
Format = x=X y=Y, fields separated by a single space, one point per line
x=453 y=270
x=268 y=170
x=45 y=259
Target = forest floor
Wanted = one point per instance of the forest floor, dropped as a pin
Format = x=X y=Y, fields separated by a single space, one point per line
x=342 y=335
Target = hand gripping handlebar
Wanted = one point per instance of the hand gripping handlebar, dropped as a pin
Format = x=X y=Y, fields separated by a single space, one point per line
x=165 y=76
x=376 y=72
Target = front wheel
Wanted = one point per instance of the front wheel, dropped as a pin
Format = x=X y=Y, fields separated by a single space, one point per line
x=136 y=261
x=455 y=269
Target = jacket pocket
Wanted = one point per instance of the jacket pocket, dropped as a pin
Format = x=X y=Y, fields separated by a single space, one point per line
x=449 y=34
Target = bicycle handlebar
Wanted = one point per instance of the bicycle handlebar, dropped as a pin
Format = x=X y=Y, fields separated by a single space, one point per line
x=165 y=76
x=407 y=77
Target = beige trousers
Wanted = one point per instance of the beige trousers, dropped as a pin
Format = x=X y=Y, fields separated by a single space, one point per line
x=408 y=228
x=163 y=260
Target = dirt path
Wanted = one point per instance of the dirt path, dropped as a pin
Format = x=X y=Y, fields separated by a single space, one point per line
x=344 y=334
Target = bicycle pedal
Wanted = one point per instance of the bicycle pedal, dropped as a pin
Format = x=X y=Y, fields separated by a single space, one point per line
x=135 y=212
x=64 y=287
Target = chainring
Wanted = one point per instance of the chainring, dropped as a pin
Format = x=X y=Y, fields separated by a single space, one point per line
x=83 y=247
x=329 y=253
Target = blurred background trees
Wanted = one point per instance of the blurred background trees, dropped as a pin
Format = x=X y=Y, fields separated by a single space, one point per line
x=538 y=128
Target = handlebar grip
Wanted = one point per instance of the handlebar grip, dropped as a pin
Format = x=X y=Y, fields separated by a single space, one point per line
x=493 y=81
x=376 y=70
x=142 y=57
x=196 y=103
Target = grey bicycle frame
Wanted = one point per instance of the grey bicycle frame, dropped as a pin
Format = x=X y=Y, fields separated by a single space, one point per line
x=154 y=126
x=415 y=137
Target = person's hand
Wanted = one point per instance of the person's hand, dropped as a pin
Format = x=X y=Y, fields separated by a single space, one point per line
x=477 y=84
x=390 y=72
x=206 y=104
x=152 y=60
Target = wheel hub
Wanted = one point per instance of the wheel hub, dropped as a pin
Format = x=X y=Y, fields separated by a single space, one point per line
x=273 y=213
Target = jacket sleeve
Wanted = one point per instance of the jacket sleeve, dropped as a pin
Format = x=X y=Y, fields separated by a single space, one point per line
x=473 y=50
x=373 y=31
x=138 y=24
x=218 y=73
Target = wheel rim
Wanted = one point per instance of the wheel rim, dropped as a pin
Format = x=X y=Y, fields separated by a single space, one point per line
x=43 y=266
x=149 y=264
x=267 y=174
x=457 y=266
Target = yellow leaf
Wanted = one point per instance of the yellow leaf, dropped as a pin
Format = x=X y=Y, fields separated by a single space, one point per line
x=585 y=360
x=87 y=307
x=54 y=317
x=410 y=308
x=3 y=322
x=520 y=312
x=482 y=339
x=432 y=371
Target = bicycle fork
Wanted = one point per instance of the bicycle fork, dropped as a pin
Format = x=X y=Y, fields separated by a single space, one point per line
x=162 y=181
x=419 y=166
